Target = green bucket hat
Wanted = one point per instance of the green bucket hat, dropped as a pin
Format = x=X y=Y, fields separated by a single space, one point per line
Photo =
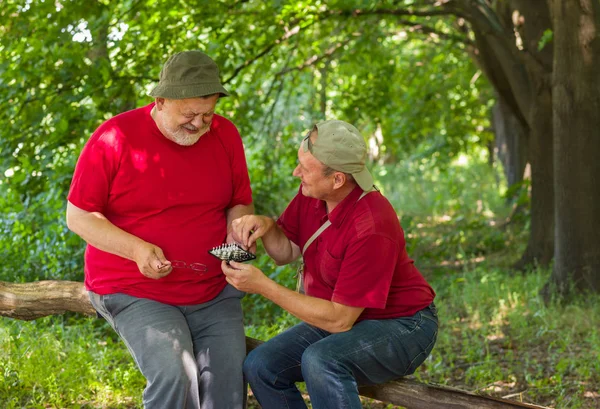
x=188 y=74
x=340 y=146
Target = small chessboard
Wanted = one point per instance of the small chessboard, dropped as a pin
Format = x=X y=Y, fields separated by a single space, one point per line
x=231 y=252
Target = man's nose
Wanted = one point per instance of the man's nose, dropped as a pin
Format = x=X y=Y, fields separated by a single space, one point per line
x=198 y=121
x=296 y=171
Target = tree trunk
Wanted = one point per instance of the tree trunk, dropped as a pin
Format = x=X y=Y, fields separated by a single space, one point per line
x=540 y=246
x=520 y=74
x=508 y=43
x=511 y=142
x=576 y=105
x=27 y=301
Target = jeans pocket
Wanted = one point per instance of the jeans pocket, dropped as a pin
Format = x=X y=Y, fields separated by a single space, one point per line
x=424 y=339
x=230 y=292
x=433 y=309
x=99 y=303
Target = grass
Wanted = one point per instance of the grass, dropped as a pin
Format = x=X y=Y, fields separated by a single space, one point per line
x=61 y=362
x=498 y=338
x=496 y=335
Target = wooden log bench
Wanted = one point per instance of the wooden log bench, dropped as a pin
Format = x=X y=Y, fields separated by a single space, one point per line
x=28 y=301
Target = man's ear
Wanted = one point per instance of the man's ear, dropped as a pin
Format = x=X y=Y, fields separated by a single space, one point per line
x=339 y=179
x=160 y=103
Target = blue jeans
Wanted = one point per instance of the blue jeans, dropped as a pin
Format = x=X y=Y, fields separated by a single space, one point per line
x=191 y=356
x=333 y=365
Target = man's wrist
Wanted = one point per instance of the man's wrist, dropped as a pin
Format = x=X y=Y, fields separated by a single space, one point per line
x=269 y=222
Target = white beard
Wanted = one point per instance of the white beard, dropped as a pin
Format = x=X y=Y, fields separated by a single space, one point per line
x=181 y=137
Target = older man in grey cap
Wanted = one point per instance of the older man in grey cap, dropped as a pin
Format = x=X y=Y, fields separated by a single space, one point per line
x=368 y=313
x=154 y=189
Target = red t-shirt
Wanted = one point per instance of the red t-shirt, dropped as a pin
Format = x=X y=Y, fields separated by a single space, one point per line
x=172 y=196
x=360 y=260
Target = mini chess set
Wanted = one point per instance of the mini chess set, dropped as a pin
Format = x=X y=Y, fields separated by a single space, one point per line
x=231 y=252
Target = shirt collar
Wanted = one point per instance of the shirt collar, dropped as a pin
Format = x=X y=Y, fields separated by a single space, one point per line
x=340 y=212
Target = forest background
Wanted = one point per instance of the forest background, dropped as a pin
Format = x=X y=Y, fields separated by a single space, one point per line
x=483 y=127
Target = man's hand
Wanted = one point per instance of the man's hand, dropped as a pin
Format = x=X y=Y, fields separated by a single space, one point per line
x=230 y=240
x=244 y=277
x=151 y=261
x=247 y=229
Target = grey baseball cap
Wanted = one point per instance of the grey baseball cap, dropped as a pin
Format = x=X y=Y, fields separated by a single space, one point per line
x=340 y=146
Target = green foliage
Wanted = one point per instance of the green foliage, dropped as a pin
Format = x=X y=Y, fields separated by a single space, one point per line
x=65 y=66
x=63 y=363
x=288 y=63
x=262 y=317
x=546 y=39
x=454 y=214
x=498 y=337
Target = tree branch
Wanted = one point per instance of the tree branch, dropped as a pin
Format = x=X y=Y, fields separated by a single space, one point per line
x=314 y=60
x=290 y=33
x=397 y=12
x=445 y=10
x=422 y=28
x=28 y=301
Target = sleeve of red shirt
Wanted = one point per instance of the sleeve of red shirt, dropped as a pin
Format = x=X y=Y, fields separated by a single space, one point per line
x=366 y=272
x=96 y=167
x=242 y=193
x=289 y=221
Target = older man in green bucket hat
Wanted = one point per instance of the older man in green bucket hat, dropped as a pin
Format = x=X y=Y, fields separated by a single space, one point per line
x=154 y=189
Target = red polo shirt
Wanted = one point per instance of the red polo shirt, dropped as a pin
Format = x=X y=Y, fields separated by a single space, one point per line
x=172 y=196
x=360 y=260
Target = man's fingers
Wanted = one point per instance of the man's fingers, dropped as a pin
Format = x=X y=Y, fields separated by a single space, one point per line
x=165 y=270
x=150 y=273
x=238 y=230
x=160 y=256
x=243 y=230
x=227 y=268
x=236 y=266
x=253 y=237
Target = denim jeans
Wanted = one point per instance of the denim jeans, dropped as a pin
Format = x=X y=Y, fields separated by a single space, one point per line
x=191 y=356
x=333 y=365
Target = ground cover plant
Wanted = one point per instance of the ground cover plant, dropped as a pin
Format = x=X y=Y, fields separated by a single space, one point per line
x=497 y=336
x=442 y=90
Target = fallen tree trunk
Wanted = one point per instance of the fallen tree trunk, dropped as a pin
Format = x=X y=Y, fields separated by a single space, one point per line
x=28 y=301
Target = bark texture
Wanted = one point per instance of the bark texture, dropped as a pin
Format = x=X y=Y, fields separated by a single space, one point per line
x=510 y=142
x=576 y=106
x=507 y=37
x=28 y=301
x=540 y=246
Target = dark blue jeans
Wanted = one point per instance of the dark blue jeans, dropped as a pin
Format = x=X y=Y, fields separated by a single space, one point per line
x=333 y=365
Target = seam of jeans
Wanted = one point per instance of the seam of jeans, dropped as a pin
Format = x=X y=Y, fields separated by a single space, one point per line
x=284 y=400
x=349 y=371
x=104 y=312
x=131 y=352
x=185 y=399
x=386 y=339
x=285 y=369
x=347 y=397
x=430 y=345
x=111 y=317
x=430 y=318
x=113 y=323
